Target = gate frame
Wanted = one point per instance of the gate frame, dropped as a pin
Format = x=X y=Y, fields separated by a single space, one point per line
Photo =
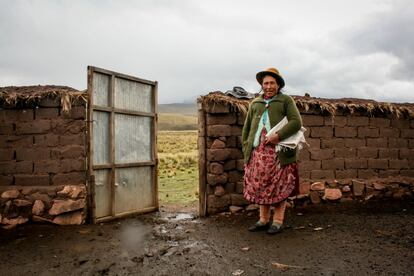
x=112 y=166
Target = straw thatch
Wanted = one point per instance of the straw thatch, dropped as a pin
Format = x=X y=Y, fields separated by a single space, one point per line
x=324 y=106
x=13 y=96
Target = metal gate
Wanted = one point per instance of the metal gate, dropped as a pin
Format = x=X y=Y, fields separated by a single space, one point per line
x=122 y=159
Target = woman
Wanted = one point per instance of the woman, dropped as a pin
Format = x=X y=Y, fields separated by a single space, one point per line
x=270 y=177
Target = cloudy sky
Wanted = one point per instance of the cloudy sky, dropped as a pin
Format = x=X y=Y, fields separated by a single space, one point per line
x=328 y=48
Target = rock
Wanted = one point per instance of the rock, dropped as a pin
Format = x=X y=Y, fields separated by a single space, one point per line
x=332 y=194
x=314 y=197
x=219 y=190
x=10 y=194
x=238 y=200
x=21 y=202
x=38 y=207
x=72 y=218
x=399 y=194
x=302 y=196
x=358 y=187
x=318 y=186
x=15 y=221
x=346 y=189
x=345 y=199
x=217 y=204
x=378 y=186
x=252 y=207
x=63 y=206
x=235 y=209
x=28 y=190
x=216 y=168
x=218 y=144
x=41 y=219
x=72 y=191
x=304 y=188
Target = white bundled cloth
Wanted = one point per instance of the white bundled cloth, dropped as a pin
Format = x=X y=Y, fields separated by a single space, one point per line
x=296 y=140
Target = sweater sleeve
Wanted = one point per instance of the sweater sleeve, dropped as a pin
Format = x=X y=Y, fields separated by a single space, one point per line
x=294 y=120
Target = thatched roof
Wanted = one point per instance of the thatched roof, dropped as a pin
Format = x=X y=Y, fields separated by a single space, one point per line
x=325 y=106
x=13 y=96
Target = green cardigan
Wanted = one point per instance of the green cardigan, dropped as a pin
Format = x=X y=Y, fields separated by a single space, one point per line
x=280 y=106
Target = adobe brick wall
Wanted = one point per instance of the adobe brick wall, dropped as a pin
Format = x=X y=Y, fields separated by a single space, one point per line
x=41 y=148
x=351 y=156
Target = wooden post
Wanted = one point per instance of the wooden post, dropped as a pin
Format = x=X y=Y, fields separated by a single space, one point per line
x=202 y=173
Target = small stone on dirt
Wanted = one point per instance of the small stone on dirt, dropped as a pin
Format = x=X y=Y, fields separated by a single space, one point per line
x=235 y=209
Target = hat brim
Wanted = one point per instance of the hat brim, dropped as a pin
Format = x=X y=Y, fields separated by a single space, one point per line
x=262 y=74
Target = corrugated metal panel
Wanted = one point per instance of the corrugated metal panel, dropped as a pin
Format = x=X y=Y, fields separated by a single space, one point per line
x=132 y=95
x=132 y=138
x=133 y=189
x=100 y=138
x=102 y=193
x=101 y=89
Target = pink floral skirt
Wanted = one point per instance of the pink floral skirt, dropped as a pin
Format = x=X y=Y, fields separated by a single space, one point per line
x=265 y=180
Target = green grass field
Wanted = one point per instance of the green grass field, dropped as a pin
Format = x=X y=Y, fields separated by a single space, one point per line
x=178 y=167
x=176 y=121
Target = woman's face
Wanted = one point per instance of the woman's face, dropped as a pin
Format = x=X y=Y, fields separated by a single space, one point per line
x=269 y=86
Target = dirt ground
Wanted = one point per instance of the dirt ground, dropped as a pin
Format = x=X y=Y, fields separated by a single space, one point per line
x=374 y=238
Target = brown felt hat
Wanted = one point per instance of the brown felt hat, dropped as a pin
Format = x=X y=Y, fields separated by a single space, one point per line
x=271 y=72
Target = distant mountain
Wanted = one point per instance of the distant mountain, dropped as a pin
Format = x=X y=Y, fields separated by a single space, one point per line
x=180 y=108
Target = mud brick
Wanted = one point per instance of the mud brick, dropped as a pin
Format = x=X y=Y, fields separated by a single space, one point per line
x=76 y=112
x=322 y=154
x=304 y=155
x=6 y=154
x=356 y=163
x=6 y=180
x=345 y=153
x=209 y=141
x=378 y=163
x=24 y=167
x=214 y=179
x=216 y=168
x=365 y=174
x=399 y=123
x=235 y=176
x=388 y=173
x=407 y=133
x=73 y=178
x=50 y=102
x=314 y=143
x=411 y=164
x=398 y=164
x=411 y=143
x=236 y=130
x=71 y=152
x=217 y=204
x=407 y=154
x=239 y=142
x=16 y=115
x=240 y=165
x=241 y=118
x=321 y=132
x=72 y=165
x=47 y=140
x=238 y=200
x=379 y=122
x=364 y=132
x=46 y=166
x=346 y=174
x=333 y=143
x=229 y=165
x=231 y=142
x=12 y=141
x=335 y=164
x=32 y=154
x=7 y=167
x=229 y=187
x=6 y=128
x=336 y=121
x=236 y=154
x=61 y=126
x=367 y=152
x=221 y=119
x=46 y=113
x=304 y=174
x=358 y=121
x=407 y=173
x=310 y=165
x=389 y=132
x=33 y=127
x=217 y=108
x=377 y=142
x=312 y=120
x=397 y=143
x=239 y=187
x=322 y=174
x=354 y=142
x=31 y=180
x=219 y=130
x=388 y=153
x=345 y=132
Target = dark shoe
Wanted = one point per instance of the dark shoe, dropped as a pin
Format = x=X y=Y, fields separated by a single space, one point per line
x=274 y=229
x=258 y=226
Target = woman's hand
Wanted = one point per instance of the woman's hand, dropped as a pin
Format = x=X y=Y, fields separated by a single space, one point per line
x=272 y=139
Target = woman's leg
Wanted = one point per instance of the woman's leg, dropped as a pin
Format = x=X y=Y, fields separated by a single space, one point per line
x=264 y=213
x=279 y=214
